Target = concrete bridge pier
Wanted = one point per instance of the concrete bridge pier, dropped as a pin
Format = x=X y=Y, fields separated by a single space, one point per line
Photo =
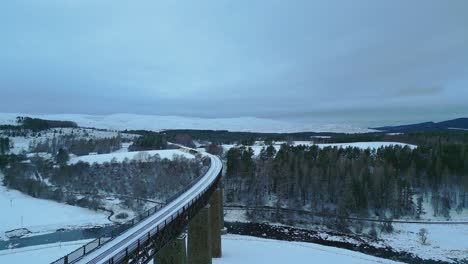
x=173 y=253
x=216 y=223
x=204 y=231
x=221 y=210
x=199 y=238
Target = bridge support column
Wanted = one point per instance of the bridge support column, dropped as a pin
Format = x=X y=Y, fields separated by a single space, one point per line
x=199 y=238
x=221 y=210
x=216 y=225
x=174 y=252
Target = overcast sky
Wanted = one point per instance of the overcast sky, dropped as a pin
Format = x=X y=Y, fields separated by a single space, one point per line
x=397 y=60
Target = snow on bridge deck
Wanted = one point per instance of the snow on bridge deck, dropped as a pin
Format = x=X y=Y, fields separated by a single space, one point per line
x=110 y=249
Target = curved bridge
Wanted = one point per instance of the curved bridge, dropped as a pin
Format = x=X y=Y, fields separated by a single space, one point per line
x=139 y=240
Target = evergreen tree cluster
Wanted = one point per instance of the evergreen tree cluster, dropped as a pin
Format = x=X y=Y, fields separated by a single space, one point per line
x=229 y=137
x=36 y=124
x=77 y=146
x=62 y=157
x=351 y=181
x=4 y=145
x=149 y=141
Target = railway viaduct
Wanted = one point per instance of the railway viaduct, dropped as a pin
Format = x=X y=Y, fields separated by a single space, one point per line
x=185 y=229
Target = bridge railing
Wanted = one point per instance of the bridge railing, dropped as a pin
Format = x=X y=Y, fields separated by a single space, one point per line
x=101 y=240
x=153 y=240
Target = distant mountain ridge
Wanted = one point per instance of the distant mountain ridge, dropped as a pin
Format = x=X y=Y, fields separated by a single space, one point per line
x=459 y=123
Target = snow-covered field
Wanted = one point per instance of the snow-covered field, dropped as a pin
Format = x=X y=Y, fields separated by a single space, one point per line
x=252 y=250
x=362 y=145
x=154 y=122
x=39 y=215
x=39 y=254
x=236 y=249
x=444 y=242
x=134 y=155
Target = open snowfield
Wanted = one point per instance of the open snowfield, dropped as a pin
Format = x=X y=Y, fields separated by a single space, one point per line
x=42 y=254
x=445 y=242
x=154 y=122
x=39 y=215
x=251 y=250
x=134 y=155
x=362 y=145
x=236 y=250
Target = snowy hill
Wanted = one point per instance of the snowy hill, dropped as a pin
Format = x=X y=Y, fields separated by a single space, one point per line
x=154 y=122
x=457 y=124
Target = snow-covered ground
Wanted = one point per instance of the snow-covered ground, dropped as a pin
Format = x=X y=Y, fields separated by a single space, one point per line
x=257 y=147
x=134 y=155
x=115 y=205
x=444 y=242
x=20 y=144
x=154 y=122
x=250 y=250
x=39 y=215
x=124 y=147
x=41 y=254
x=236 y=249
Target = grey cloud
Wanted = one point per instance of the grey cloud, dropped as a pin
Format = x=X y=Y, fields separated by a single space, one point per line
x=231 y=58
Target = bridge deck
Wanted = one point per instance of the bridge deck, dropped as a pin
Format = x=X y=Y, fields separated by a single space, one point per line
x=120 y=243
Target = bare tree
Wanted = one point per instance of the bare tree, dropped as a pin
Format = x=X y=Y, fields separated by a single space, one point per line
x=422 y=234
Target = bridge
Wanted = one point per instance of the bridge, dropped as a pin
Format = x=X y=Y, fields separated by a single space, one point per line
x=159 y=235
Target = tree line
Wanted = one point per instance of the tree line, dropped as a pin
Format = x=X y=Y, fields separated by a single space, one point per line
x=37 y=124
x=154 y=140
x=76 y=145
x=149 y=141
x=230 y=137
x=389 y=182
x=153 y=178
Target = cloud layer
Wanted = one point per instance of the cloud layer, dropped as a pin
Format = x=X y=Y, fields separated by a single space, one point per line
x=236 y=58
